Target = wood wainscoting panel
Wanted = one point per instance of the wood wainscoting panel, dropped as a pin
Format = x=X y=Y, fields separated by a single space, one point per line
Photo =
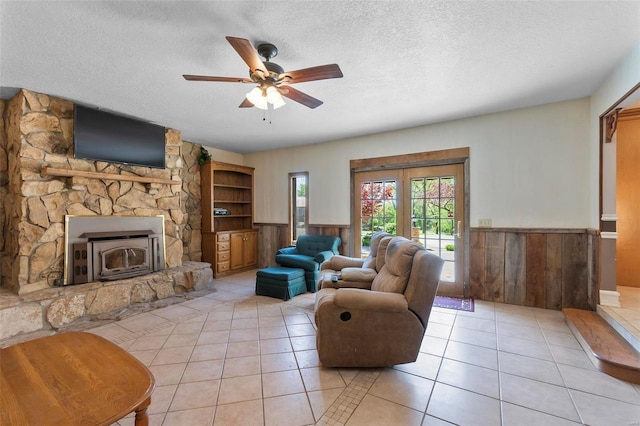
x=272 y=236
x=574 y=271
x=553 y=275
x=515 y=271
x=536 y=254
x=494 y=266
x=477 y=264
x=542 y=268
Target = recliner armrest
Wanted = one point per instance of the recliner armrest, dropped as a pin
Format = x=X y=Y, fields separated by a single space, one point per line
x=367 y=300
x=287 y=250
x=359 y=274
x=323 y=256
x=338 y=262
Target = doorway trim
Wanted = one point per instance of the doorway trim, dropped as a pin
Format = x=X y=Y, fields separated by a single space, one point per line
x=607 y=253
x=420 y=159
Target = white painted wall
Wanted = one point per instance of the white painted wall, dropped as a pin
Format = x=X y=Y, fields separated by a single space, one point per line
x=623 y=78
x=529 y=167
x=225 y=156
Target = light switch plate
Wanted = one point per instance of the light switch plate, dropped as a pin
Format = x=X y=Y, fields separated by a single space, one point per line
x=484 y=223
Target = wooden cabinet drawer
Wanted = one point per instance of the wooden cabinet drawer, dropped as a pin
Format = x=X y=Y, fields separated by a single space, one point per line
x=222 y=267
x=223 y=237
x=223 y=246
x=223 y=256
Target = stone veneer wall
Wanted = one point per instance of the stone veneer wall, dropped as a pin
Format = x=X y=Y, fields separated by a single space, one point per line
x=4 y=178
x=192 y=232
x=37 y=132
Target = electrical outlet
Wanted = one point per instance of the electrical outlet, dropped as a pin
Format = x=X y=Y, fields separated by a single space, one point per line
x=484 y=223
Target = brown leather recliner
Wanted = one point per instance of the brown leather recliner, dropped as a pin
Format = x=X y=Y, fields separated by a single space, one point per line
x=385 y=325
x=352 y=271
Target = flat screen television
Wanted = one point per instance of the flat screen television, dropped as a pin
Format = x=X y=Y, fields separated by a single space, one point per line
x=103 y=136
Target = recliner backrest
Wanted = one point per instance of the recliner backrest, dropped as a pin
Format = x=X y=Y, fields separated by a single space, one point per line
x=382 y=252
x=370 y=261
x=394 y=275
x=423 y=283
x=310 y=245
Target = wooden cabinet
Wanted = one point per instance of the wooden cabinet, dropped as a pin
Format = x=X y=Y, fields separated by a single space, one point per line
x=244 y=249
x=229 y=241
x=222 y=253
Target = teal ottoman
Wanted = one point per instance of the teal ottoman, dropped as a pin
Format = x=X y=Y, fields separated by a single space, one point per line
x=283 y=283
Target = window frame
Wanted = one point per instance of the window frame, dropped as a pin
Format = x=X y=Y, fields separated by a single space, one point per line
x=293 y=197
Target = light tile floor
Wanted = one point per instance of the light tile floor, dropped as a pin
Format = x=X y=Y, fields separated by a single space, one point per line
x=234 y=358
x=630 y=307
x=625 y=318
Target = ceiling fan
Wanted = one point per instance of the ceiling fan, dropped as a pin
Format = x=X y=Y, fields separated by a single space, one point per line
x=271 y=79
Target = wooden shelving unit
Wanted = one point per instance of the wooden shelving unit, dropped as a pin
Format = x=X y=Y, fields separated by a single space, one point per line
x=229 y=241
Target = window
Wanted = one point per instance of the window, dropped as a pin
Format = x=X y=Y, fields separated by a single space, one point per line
x=298 y=204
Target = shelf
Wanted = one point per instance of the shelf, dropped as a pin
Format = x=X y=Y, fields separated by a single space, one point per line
x=230 y=187
x=236 y=230
x=218 y=185
x=52 y=171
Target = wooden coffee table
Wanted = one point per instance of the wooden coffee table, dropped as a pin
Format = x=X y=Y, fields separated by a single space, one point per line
x=71 y=379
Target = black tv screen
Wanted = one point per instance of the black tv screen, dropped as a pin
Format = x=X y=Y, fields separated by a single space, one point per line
x=102 y=136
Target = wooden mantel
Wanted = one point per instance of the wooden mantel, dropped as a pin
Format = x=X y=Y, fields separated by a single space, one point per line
x=52 y=171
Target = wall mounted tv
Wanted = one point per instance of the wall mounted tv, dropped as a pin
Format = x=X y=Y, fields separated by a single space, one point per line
x=102 y=136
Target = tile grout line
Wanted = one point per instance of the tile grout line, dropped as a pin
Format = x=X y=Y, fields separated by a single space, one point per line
x=350 y=398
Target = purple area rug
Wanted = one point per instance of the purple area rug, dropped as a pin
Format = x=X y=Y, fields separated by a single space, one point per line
x=454 y=303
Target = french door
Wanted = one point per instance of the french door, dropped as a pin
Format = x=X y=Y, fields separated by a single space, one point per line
x=424 y=204
x=377 y=206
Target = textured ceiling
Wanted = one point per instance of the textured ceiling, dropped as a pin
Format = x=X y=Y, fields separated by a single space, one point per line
x=405 y=63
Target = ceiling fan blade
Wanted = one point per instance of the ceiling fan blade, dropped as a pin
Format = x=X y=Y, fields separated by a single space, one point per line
x=212 y=78
x=249 y=55
x=298 y=96
x=321 y=72
x=245 y=104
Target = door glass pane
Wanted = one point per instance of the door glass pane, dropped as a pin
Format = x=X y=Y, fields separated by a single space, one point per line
x=378 y=201
x=433 y=218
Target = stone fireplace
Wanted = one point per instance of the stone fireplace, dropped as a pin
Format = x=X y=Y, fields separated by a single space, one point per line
x=37 y=137
x=42 y=184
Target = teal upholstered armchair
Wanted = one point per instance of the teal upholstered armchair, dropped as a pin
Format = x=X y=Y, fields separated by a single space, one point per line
x=309 y=252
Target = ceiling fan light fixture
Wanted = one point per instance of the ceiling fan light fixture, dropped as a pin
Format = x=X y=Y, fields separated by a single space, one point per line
x=278 y=103
x=261 y=97
x=274 y=97
x=257 y=98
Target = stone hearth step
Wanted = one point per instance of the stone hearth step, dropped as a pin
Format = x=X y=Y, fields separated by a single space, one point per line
x=608 y=351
